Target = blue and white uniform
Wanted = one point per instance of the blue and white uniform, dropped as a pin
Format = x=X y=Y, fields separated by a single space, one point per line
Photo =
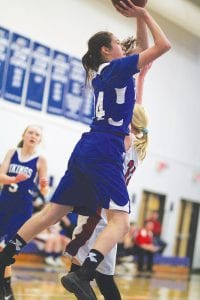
x=16 y=199
x=89 y=228
x=95 y=170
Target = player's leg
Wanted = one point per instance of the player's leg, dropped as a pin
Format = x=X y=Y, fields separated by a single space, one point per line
x=105 y=283
x=118 y=226
x=78 y=282
x=107 y=286
x=48 y=216
x=5 y=276
x=8 y=293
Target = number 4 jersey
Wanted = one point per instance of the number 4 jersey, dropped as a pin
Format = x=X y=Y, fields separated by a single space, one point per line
x=114 y=89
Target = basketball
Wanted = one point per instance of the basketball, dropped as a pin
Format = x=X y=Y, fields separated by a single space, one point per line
x=141 y=3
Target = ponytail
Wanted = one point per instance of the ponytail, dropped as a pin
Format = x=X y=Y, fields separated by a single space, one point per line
x=89 y=66
x=139 y=125
x=141 y=145
x=20 y=144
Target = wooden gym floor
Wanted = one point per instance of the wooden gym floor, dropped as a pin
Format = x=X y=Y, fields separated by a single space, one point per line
x=37 y=281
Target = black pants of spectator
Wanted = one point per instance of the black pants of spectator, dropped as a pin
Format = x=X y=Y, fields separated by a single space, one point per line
x=145 y=257
x=160 y=243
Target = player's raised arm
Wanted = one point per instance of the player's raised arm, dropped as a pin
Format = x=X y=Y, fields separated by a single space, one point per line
x=161 y=43
x=140 y=83
x=142 y=42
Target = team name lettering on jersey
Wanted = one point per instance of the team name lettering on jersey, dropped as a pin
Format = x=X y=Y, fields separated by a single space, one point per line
x=17 y=169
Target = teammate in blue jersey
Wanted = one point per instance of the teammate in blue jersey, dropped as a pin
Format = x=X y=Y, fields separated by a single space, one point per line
x=17 y=174
x=94 y=177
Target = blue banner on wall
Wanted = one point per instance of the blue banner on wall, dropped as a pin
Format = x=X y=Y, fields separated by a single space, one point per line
x=41 y=78
x=4 y=47
x=39 y=71
x=18 y=60
x=73 y=99
x=58 y=82
x=87 y=109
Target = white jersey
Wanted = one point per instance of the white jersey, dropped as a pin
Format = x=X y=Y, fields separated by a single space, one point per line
x=130 y=163
x=89 y=228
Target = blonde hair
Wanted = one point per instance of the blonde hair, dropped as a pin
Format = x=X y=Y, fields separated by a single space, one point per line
x=21 y=143
x=139 y=125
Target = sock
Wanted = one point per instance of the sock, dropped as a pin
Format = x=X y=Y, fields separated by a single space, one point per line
x=48 y=254
x=7 y=286
x=87 y=271
x=107 y=286
x=14 y=246
x=57 y=254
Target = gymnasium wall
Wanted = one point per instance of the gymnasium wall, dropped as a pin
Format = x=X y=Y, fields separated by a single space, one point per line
x=170 y=97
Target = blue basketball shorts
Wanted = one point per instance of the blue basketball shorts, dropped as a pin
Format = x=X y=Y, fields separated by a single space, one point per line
x=94 y=177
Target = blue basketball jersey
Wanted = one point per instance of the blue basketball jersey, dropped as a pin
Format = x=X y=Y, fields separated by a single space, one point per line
x=16 y=199
x=24 y=188
x=114 y=90
x=95 y=177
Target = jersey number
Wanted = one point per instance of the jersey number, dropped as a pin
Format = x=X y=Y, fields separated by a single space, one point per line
x=130 y=170
x=100 y=113
x=13 y=187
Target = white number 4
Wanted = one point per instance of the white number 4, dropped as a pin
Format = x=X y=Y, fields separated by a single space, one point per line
x=100 y=113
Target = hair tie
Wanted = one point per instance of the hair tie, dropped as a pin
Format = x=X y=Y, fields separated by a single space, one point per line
x=145 y=130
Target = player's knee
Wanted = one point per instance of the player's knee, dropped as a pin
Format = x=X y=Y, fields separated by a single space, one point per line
x=122 y=227
x=121 y=222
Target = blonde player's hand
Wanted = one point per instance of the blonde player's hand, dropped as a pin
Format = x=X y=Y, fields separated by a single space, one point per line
x=20 y=177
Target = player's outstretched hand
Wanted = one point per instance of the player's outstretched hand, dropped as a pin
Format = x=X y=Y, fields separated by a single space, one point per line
x=129 y=9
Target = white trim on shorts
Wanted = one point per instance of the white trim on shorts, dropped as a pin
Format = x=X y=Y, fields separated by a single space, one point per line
x=115 y=206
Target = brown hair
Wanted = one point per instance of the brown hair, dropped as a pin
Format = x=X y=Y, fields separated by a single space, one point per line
x=93 y=57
